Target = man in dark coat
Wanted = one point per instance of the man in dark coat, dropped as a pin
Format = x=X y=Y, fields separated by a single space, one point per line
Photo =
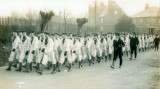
x=134 y=42
x=117 y=44
x=156 y=43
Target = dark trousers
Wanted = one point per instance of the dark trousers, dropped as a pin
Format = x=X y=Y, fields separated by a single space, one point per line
x=134 y=50
x=156 y=47
x=120 y=58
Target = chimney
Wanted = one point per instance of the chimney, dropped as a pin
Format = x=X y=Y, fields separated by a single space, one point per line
x=146 y=6
x=111 y=6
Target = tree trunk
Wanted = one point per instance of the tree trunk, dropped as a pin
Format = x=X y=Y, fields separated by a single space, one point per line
x=79 y=30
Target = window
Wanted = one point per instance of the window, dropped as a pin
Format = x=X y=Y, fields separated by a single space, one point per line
x=158 y=20
x=142 y=20
x=101 y=28
x=145 y=20
x=101 y=20
x=115 y=12
x=135 y=20
x=91 y=20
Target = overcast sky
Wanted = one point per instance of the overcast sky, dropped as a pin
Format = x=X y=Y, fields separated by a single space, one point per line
x=78 y=8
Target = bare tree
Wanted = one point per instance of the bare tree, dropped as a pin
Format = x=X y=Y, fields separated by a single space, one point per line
x=30 y=16
x=45 y=18
x=80 y=23
x=14 y=14
x=67 y=17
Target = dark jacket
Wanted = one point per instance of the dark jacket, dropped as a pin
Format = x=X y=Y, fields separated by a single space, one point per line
x=134 y=42
x=118 y=45
x=156 y=41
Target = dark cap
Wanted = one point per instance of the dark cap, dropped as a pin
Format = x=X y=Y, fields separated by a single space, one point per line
x=134 y=33
x=117 y=34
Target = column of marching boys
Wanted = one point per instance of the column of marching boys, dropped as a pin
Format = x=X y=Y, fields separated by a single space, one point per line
x=55 y=51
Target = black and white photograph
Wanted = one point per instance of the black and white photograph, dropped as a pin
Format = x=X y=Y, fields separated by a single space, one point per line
x=79 y=44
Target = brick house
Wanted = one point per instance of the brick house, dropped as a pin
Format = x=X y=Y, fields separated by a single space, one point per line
x=148 y=20
x=106 y=17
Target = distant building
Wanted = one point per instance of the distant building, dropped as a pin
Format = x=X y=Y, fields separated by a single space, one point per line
x=106 y=16
x=148 y=20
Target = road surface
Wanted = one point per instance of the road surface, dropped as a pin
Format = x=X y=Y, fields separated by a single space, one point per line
x=143 y=73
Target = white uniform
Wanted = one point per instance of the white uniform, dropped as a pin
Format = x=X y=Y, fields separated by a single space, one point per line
x=78 y=50
x=41 y=46
x=24 y=47
x=49 y=54
x=123 y=48
x=74 y=56
x=127 y=43
x=88 y=46
x=146 y=42
x=93 y=49
x=84 y=54
x=110 y=45
x=104 y=47
x=68 y=50
x=55 y=49
x=14 y=46
x=65 y=48
x=143 y=42
x=98 y=47
x=140 y=42
x=33 y=47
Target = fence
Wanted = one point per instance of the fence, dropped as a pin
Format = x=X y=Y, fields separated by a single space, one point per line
x=52 y=26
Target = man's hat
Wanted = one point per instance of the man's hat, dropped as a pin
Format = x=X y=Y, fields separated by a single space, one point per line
x=133 y=33
x=23 y=31
x=63 y=33
x=38 y=32
x=117 y=34
x=46 y=33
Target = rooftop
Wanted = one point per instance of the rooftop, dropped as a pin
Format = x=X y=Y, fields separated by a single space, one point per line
x=150 y=12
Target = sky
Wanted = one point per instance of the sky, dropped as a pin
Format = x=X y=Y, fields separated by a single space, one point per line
x=78 y=8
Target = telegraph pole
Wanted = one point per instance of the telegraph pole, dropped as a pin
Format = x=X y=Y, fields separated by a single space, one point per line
x=95 y=2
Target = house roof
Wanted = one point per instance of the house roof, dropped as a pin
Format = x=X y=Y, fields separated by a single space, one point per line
x=151 y=12
x=104 y=12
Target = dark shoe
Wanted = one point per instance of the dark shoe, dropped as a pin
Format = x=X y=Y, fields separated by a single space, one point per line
x=112 y=67
x=8 y=69
x=130 y=58
x=97 y=60
x=59 y=70
x=67 y=66
x=92 y=62
x=53 y=72
x=18 y=70
x=47 y=68
x=39 y=72
x=26 y=71
x=69 y=70
x=81 y=66
x=35 y=67
x=9 y=66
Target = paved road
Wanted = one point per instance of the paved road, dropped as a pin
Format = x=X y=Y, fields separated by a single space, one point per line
x=143 y=73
